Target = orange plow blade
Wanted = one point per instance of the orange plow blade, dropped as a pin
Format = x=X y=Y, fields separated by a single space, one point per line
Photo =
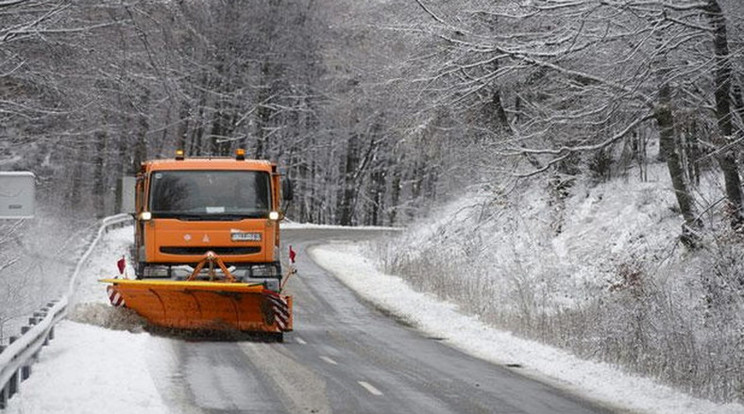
x=207 y=305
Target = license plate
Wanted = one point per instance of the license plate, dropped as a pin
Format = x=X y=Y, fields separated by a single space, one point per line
x=246 y=236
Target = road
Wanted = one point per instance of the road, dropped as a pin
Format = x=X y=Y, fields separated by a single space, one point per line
x=345 y=356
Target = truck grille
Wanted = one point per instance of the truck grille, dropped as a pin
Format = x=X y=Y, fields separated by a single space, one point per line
x=220 y=251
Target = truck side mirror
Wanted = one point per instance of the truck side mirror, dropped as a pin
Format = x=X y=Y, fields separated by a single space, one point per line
x=287 y=189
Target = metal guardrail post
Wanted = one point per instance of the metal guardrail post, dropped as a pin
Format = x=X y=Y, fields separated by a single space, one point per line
x=13 y=385
x=4 y=397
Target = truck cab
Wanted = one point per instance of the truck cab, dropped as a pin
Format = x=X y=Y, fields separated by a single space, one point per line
x=187 y=207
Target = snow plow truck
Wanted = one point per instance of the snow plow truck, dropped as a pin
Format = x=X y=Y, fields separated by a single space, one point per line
x=206 y=247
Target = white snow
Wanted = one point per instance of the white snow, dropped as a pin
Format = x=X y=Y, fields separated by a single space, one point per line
x=92 y=369
x=89 y=368
x=597 y=381
x=289 y=224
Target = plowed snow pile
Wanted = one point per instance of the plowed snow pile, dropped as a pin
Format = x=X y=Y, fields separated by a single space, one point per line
x=102 y=265
x=107 y=316
x=92 y=306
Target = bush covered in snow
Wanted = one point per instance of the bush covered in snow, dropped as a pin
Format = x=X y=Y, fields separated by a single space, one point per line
x=597 y=268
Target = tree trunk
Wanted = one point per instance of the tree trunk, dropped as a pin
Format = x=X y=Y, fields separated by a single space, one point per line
x=348 y=192
x=74 y=194
x=264 y=113
x=726 y=156
x=100 y=173
x=669 y=151
x=395 y=187
x=377 y=196
x=183 y=125
x=665 y=120
x=692 y=151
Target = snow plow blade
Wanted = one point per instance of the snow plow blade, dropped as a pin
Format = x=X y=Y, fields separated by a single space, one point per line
x=207 y=305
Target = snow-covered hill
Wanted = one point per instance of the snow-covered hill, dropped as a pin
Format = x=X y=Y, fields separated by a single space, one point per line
x=596 y=269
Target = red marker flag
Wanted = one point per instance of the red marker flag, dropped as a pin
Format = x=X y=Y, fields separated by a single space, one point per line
x=292 y=255
x=121 y=264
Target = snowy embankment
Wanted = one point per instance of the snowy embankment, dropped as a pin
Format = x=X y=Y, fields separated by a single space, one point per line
x=99 y=360
x=597 y=268
x=596 y=381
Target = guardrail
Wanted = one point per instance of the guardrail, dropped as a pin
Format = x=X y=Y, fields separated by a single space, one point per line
x=17 y=357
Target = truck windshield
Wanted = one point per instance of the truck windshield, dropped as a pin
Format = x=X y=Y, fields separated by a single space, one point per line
x=210 y=195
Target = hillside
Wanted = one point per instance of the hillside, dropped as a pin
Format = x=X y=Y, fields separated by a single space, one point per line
x=596 y=268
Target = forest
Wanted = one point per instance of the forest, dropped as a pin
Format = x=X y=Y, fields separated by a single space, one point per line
x=378 y=111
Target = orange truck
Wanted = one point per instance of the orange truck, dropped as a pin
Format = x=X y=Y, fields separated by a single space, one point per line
x=207 y=245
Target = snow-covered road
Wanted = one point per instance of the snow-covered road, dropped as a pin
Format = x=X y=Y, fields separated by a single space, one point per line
x=95 y=363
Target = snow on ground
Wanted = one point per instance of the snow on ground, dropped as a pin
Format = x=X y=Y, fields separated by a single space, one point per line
x=597 y=381
x=90 y=369
x=289 y=225
x=97 y=362
x=94 y=363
